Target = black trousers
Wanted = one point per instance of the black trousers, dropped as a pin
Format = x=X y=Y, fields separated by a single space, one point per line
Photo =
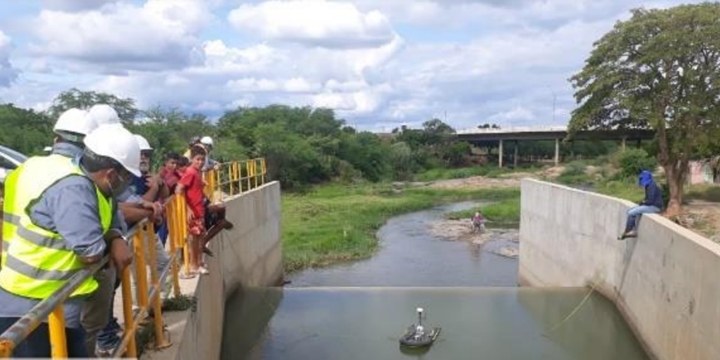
x=37 y=344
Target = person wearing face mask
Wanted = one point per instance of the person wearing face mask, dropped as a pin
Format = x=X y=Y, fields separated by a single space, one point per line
x=60 y=218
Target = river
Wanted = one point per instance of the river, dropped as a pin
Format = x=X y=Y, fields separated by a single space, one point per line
x=359 y=310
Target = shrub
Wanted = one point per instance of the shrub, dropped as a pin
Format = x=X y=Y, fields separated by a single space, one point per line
x=632 y=161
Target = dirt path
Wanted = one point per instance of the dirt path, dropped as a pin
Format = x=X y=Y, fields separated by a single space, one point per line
x=703 y=217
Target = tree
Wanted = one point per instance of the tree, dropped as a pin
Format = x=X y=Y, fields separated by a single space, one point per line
x=75 y=98
x=24 y=130
x=658 y=70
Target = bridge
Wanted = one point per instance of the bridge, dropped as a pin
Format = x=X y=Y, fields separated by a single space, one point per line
x=498 y=137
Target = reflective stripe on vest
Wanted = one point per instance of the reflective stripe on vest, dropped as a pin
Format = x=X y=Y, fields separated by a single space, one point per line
x=36 y=262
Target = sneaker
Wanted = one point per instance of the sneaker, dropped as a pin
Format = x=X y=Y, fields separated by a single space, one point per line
x=203 y=270
x=107 y=346
x=114 y=326
x=208 y=252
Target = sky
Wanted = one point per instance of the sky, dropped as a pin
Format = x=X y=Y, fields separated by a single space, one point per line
x=379 y=64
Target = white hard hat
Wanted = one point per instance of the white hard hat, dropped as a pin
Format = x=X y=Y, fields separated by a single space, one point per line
x=206 y=140
x=142 y=142
x=115 y=142
x=73 y=124
x=104 y=114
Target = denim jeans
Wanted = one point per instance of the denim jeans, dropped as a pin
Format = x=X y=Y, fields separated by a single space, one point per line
x=37 y=344
x=633 y=215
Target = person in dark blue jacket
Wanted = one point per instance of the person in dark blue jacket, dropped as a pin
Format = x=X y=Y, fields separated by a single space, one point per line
x=652 y=204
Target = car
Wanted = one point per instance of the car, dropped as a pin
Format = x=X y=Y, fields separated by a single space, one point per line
x=9 y=160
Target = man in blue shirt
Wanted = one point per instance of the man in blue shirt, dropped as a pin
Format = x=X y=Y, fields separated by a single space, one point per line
x=652 y=204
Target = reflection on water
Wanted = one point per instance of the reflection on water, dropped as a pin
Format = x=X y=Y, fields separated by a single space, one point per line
x=410 y=256
x=488 y=323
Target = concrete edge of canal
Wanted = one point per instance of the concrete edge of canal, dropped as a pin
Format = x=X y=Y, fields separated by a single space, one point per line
x=249 y=255
x=664 y=282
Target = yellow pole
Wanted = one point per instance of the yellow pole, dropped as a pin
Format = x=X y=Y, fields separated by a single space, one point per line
x=230 y=179
x=141 y=288
x=160 y=341
x=173 y=224
x=247 y=167
x=6 y=348
x=236 y=176
x=182 y=218
x=56 y=326
x=264 y=169
x=131 y=350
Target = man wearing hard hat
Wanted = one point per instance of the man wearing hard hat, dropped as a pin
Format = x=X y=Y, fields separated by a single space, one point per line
x=59 y=218
x=70 y=130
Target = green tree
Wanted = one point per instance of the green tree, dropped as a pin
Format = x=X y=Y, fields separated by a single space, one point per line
x=25 y=130
x=75 y=98
x=659 y=69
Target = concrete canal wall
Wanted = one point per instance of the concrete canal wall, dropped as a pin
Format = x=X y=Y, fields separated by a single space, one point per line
x=666 y=282
x=249 y=255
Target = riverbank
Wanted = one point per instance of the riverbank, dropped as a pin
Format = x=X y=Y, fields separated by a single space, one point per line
x=337 y=223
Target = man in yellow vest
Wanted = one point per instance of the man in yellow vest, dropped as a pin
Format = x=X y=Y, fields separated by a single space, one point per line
x=59 y=217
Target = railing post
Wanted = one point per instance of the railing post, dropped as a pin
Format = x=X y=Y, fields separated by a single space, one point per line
x=174 y=226
x=247 y=172
x=160 y=341
x=264 y=169
x=182 y=232
x=236 y=176
x=56 y=328
x=131 y=350
x=141 y=288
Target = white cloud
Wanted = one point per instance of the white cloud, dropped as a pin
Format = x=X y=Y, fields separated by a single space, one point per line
x=314 y=23
x=7 y=72
x=119 y=37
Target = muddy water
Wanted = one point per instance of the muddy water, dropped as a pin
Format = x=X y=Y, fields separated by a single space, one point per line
x=359 y=310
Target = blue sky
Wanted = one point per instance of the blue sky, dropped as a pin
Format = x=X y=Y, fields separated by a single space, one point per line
x=380 y=64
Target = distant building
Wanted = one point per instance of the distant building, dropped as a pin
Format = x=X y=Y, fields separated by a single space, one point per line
x=701 y=172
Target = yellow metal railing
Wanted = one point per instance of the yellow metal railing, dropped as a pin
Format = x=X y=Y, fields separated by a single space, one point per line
x=228 y=179
x=234 y=177
x=143 y=235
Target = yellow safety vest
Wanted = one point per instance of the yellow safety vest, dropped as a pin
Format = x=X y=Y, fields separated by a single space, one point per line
x=36 y=262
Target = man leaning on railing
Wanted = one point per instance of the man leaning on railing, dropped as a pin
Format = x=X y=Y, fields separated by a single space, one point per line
x=58 y=220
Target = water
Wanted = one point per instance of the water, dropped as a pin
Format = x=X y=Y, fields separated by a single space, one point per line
x=488 y=323
x=410 y=256
x=359 y=310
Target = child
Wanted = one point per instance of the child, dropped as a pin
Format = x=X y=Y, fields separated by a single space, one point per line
x=182 y=165
x=478 y=222
x=191 y=185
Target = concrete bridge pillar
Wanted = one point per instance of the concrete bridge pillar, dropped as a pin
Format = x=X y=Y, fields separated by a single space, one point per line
x=500 y=154
x=515 y=156
x=557 y=152
x=622 y=144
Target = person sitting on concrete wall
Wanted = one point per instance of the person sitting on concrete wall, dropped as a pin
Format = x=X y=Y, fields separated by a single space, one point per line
x=652 y=204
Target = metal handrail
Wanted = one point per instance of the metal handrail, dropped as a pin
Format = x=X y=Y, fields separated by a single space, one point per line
x=176 y=216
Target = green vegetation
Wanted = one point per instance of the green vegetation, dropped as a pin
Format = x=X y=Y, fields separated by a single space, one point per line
x=632 y=161
x=501 y=214
x=334 y=223
x=657 y=70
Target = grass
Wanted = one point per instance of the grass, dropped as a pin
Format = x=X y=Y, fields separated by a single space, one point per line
x=627 y=190
x=336 y=223
x=501 y=214
x=704 y=192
